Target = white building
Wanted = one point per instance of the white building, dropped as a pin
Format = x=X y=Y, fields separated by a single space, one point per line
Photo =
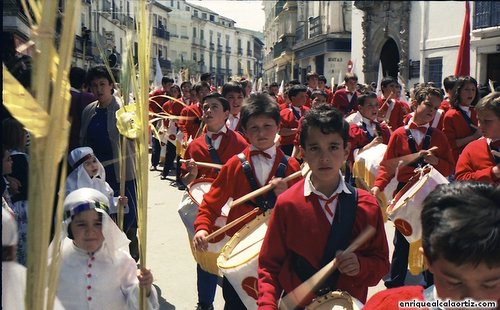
x=419 y=40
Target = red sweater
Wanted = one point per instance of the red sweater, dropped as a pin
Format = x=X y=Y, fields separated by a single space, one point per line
x=232 y=182
x=389 y=299
x=190 y=127
x=455 y=127
x=232 y=143
x=155 y=104
x=397 y=114
x=359 y=138
x=288 y=120
x=476 y=163
x=341 y=101
x=173 y=108
x=398 y=146
x=293 y=211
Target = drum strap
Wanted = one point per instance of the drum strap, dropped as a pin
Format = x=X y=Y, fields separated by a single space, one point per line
x=213 y=152
x=413 y=145
x=340 y=235
x=467 y=120
x=262 y=203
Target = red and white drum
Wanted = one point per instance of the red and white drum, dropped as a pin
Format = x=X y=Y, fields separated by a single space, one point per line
x=238 y=260
x=188 y=210
x=338 y=300
x=404 y=210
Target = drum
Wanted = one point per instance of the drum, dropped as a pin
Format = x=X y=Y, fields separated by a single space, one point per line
x=188 y=210
x=404 y=210
x=365 y=169
x=338 y=300
x=238 y=260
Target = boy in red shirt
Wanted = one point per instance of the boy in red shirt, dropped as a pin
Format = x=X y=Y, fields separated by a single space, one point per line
x=416 y=137
x=233 y=92
x=391 y=111
x=346 y=99
x=191 y=115
x=317 y=212
x=290 y=117
x=461 y=245
x=260 y=120
x=480 y=159
x=224 y=143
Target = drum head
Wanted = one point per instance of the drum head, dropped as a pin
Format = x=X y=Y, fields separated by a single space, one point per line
x=337 y=300
x=198 y=188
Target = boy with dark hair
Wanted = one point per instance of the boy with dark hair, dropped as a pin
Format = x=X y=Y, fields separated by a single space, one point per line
x=391 y=110
x=346 y=99
x=217 y=146
x=259 y=164
x=191 y=115
x=322 y=86
x=156 y=102
x=461 y=245
x=480 y=159
x=448 y=84
x=290 y=117
x=318 y=97
x=319 y=211
x=417 y=137
x=234 y=94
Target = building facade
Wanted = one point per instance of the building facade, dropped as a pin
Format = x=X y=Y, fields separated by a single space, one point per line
x=418 y=41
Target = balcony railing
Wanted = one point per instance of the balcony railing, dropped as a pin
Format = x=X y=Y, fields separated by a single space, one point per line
x=228 y=49
x=240 y=51
x=315 y=26
x=219 y=48
x=161 y=33
x=249 y=52
x=212 y=46
x=284 y=45
x=300 y=33
x=106 y=6
x=164 y=63
x=203 y=43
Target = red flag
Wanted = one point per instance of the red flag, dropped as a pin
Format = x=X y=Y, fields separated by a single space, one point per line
x=462 y=68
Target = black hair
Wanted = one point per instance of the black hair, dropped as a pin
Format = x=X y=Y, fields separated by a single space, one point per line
x=421 y=93
x=317 y=93
x=461 y=223
x=166 y=79
x=232 y=87
x=223 y=101
x=295 y=90
x=207 y=76
x=259 y=104
x=388 y=80
x=365 y=96
x=186 y=82
x=294 y=82
x=449 y=82
x=199 y=85
x=327 y=119
x=77 y=77
x=459 y=85
x=350 y=76
x=322 y=78
x=178 y=90
x=98 y=72
x=311 y=74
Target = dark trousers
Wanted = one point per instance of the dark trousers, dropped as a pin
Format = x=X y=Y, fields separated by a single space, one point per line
x=231 y=298
x=399 y=263
x=169 y=159
x=287 y=149
x=206 y=284
x=155 y=151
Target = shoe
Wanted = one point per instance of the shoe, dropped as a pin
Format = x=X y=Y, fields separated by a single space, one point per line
x=202 y=306
x=163 y=177
x=153 y=168
x=181 y=186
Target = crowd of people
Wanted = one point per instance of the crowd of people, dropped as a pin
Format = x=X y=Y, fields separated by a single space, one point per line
x=303 y=139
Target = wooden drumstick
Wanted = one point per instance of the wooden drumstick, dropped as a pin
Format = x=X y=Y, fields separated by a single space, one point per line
x=203 y=164
x=405 y=160
x=269 y=187
x=298 y=295
x=385 y=102
x=225 y=228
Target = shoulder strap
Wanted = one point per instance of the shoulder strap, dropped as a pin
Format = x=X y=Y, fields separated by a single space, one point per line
x=467 y=119
x=213 y=153
x=425 y=145
x=247 y=168
x=365 y=129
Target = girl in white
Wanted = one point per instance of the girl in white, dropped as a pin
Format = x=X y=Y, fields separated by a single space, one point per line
x=97 y=272
x=89 y=172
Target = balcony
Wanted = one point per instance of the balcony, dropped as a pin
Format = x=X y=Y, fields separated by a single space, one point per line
x=212 y=46
x=228 y=49
x=240 y=51
x=184 y=37
x=161 y=33
x=300 y=33
x=486 y=14
x=129 y=22
x=203 y=43
x=279 y=7
x=212 y=69
x=219 y=48
x=249 y=52
x=315 y=26
x=284 y=45
x=164 y=63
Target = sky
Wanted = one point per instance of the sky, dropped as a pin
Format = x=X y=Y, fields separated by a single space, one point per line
x=246 y=14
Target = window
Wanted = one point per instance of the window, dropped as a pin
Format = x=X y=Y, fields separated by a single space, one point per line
x=239 y=43
x=203 y=15
x=227 y=40
x=172 y=3
x=195 y=13
x=434 y=70
x=212 y=18
x=414 y=69
x=194 y=57
x=188 y=9
x=486 y=14
x=202 y=34
x=194 y=32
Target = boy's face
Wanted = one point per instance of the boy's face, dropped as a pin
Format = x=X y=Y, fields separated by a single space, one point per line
x=235 y=102
x=325 y=154
x=351 y=84
x=465 y=281
x=300 y=99
x=467 y=94
x=261 y=131
x=213 y=114
x=312 y=82
x=319 y=99
x=186 y=90
x=392 y=87
x=273 y=90
x=91 y=166
x=102 y=89
x=369 y=109
x=204 y=91
x=321 y=84
x=489 y=124
x=426 y=110
x=87 y=230
x=167 y=86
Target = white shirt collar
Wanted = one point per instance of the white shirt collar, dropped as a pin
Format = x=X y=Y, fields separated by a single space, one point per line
x=310 y=189
x=464 y=108
x=271 y=151
x=366 y=120
x=223 y=130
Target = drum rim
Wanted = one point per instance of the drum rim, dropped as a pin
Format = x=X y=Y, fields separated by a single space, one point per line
x=412 y=182
x=232 y=242
x=332 y=295
x=197 y=181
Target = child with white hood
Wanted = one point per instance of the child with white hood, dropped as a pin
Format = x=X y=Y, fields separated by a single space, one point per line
x=89 y=172
x=97 y=272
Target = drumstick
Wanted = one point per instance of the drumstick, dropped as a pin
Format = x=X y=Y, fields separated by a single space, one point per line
x=385 y=102
x=297 y=296
x=203 y=164
x=224 y=228
x=269 y=187
x=405 y=160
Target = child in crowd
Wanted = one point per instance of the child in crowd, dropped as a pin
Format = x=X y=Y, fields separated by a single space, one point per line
x=460 y=122
x=417 y=137
x=318 y=97
x=461 y=245
x=266 y=163
x=87 y=171
x=391 y=110
x=191 y=115
x=480 y=159
x=448 y=84
x=233 y=92
x=290 y=117
x=217 y=146
x=317 y=218
x=322 y=86
x=346 y=99
x=96 y=269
